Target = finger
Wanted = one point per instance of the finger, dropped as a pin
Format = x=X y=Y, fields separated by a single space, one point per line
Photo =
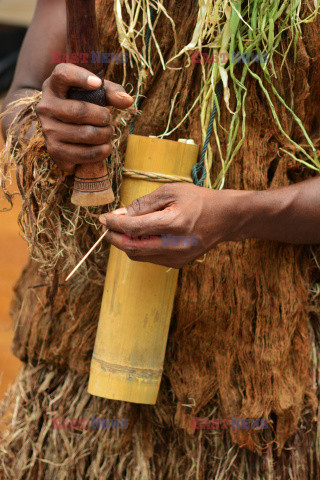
x=68 y=153
x=73 y=111
x=67 y=75
x=117 y=96
x=155 y=223
x=147 y=252
x=162 y=197
x=88 y=135
x=145 y=245
x=149 y=249
x=141 y=249
x=155 y=201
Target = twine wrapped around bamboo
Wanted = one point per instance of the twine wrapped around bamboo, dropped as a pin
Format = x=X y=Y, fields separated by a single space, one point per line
x=138 y=297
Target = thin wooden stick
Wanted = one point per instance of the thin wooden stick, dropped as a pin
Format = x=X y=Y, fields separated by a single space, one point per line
x=86 y=255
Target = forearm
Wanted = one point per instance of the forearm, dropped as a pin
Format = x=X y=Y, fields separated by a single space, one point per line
x=288 y=214
x=184 y=211
x=12 y=96
x=46 y=34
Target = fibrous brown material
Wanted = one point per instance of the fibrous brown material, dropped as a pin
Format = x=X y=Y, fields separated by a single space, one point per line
x=151 y=448
x=245 y=335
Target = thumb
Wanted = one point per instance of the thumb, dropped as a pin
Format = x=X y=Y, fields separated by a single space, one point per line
x=67 y=75
x=117 y=96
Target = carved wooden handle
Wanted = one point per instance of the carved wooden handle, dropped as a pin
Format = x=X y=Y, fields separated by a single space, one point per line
x=91 y=186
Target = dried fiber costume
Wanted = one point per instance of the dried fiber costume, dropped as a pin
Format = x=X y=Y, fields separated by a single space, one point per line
x=245 y=334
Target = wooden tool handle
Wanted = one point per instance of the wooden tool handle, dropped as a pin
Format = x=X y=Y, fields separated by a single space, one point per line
x=91 y=186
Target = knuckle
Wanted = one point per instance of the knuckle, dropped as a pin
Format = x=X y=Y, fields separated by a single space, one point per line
x=46 y=129
x=90 y=133
x=108 y=132
x=91 y=154
x=45 y=85
x=137 y=204
x=52 y=148
x=106 y=117
x=106 y=150
x=57 y=150
x=42 y=108
x=59 y=72
x=78 y=110
x=95 y=153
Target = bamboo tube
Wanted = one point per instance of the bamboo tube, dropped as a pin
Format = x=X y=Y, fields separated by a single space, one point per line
x=138 y=297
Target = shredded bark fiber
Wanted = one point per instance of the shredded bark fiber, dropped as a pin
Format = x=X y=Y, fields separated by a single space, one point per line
x=245 y=335
x=151 y=448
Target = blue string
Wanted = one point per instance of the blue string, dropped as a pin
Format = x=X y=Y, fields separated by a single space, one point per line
x=199 y=167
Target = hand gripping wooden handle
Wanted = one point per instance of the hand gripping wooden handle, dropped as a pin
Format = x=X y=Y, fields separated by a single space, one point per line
x=91 y=186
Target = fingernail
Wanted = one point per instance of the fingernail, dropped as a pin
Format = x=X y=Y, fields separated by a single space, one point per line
x=102 y=219
x=120 y=211
x=124 y=95
x=94 y=81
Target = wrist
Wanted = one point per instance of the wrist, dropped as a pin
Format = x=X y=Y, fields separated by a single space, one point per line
x=234 y=207
x=249 y=214
x=261 y=213
x=243 y=211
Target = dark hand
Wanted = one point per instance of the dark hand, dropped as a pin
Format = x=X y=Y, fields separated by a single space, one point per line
x=77 y=132
x=184 y=222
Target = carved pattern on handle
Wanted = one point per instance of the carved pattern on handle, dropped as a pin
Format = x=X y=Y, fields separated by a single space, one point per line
x=90 y=186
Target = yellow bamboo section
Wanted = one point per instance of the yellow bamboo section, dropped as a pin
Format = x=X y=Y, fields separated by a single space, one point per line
x=138 y=297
